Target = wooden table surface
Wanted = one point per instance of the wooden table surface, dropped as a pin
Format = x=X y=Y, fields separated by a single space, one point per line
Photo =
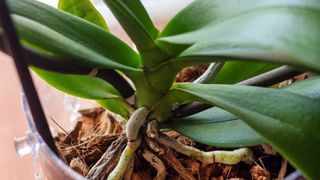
x=13 y=125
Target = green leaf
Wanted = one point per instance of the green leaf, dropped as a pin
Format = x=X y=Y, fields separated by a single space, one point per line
x=216 y=127
x=136 y=22
x=85 y=10
x=288 y=121
x=220 y=128
x=200 y=13
x=79 y=85
x=276 y=34
x=61 y=34
x=236 y=71
x=118 y=106
x=309 y=87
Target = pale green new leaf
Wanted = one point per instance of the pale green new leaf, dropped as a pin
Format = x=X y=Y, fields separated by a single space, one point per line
x=71 y=38
x=288 y=121
x=79 y=85
x=85 y=10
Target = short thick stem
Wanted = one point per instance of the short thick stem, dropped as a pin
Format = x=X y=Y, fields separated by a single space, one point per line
x=224 y=157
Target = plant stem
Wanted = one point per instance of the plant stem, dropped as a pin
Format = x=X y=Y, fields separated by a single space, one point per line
x=224 y=157
x=211 y=72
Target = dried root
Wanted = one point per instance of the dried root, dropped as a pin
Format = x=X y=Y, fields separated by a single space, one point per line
x=107 y=162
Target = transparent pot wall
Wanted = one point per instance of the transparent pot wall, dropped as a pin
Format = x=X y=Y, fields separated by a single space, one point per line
x=62 y=109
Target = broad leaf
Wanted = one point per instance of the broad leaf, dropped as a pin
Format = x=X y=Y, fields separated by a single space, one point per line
x=79 y=85
x=216 y=127
x=275 y=34
x=74 y=39
x=118 y=106
x=136 y=22
x=85 y=10
x=200 y=13
x=309 y=87
x=220 y=128
x=288 y=121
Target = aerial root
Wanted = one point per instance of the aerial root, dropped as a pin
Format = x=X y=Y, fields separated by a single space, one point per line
x=126 y=157
x=156 y=163
x=128 y=173
x=153 y=137
x=152 y=131
x=224 y=157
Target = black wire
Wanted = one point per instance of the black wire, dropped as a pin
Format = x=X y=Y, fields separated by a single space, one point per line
x=15 y=49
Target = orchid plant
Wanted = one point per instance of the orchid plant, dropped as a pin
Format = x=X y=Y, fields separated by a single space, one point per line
x=72 y=49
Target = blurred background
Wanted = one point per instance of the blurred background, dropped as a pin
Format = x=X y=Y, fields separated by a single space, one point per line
x=13 y=122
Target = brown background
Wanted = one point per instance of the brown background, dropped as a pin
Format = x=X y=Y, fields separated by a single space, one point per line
x=12 y=125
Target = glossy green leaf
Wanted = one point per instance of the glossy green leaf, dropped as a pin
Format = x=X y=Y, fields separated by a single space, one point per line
x=118 y=106
x=136 y=22
x=220 y=128
x=216 y=127
x=85 y=10
x=79 y=85
x=200 y=13
x=74 y=39
x=288 y=121
x=309 y=87
x=236 y=71
x=275 y=34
